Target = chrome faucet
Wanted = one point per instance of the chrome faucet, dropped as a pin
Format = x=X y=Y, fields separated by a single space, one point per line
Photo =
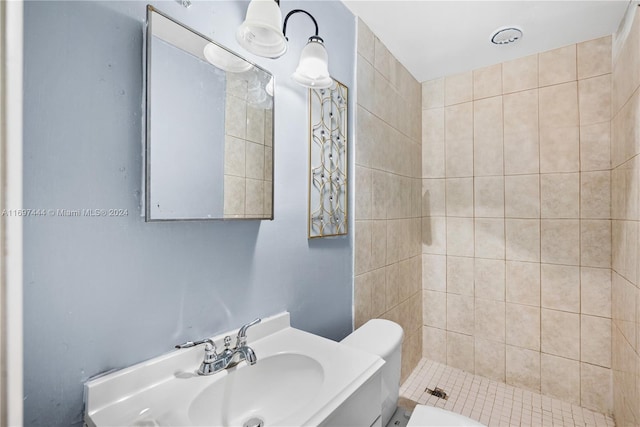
x=214 y=362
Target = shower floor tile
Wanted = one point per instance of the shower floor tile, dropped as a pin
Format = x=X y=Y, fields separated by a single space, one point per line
x=494 y=403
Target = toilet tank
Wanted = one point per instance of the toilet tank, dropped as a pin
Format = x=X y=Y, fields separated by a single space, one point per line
x=383 y=338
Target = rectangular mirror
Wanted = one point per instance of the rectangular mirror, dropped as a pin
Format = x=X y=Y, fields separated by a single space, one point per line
x=209 y=141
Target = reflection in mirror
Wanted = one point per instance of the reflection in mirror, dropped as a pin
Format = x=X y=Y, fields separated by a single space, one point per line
x=209 y=148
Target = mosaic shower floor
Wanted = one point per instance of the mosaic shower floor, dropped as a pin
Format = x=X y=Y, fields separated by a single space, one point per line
x=491 y=402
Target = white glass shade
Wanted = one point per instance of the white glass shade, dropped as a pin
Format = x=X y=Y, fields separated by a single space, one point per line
x=261 y=32
x=224 y=59
x=313 y=68
x=270 y=86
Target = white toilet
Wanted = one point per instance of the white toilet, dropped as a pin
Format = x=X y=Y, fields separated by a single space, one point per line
x=384 y=338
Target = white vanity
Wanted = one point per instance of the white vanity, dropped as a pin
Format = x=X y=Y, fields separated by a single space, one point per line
x=299 y=379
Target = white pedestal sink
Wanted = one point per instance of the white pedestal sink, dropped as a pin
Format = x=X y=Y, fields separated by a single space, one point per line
x=300 y=379
x=270 y=391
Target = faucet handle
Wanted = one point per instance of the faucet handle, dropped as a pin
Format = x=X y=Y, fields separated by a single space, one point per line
x=210 y=344
x=242 y=333
x=189 y=344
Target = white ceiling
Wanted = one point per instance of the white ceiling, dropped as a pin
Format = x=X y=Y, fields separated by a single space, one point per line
x=440 y=38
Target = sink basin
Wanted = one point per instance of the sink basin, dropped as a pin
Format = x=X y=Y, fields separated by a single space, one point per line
x=299 y=379
x=270 y=391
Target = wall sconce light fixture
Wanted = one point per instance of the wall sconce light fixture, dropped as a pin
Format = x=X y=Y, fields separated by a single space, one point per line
x=260 y=34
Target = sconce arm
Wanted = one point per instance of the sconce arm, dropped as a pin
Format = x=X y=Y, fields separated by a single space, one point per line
x=284 y=27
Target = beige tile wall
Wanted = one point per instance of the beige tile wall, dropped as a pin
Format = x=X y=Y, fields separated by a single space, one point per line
x=516 y=229
x=248 y=154
x=625 y=147
x=388 y=185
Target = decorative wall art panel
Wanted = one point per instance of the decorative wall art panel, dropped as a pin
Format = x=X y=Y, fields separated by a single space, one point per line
x=328 y=111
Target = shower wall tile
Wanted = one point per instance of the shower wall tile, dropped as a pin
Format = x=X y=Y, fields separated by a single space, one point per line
x=434 y=235
x=520 y=74
x=595 y=147
x=523 y=326
x=487 y=82
x=521 y=153
x=458 y=88
x=459 y=197
x=595 y=243
x=434 y=272
x=392 y=293
x=235 y=155
x=594 y=57
x=490 y=359
x=557 y=66
x=488 y=138
x=521 y=112
x=560 y=285
x=560 y=378
x=460 y=313
x=434 y=309
x=433 y=147
x=559 y=106
x=366 y=42
x=489 y=278
x=489 y=238
x=460 y=236
x=596 y=291
x=460 y=275
x=433 y=94
x=522 y=196
x=523 y=282
x=384 y=61
x=459 y=121
x=434 y=343
x=560 y=149
x=522 y=240
x=391 y=153
x=560 y=241
x=560 y=195
x=596 y=340
x=523 y=368
x=433 y=197
x=560 y=334
x=595 y=190
x=459 y=140
x=595 y=100
x=365 y=74
x=490 y=320
x=592 y=393
x=489 y=196
x=364 y=194
x=460 y=351
x=525 y=259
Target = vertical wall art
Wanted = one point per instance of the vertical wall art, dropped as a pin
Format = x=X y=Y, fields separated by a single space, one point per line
x=328 y=114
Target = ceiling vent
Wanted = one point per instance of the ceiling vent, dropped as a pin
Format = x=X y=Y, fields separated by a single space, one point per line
x=506 y=35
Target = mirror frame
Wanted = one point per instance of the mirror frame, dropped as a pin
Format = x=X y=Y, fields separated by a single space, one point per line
x=146 y=167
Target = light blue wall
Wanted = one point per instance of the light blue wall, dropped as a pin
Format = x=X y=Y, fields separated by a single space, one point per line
x=104 y=293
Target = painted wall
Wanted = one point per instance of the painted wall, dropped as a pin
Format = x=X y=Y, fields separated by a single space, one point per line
x=103 y=293
x=516 y=222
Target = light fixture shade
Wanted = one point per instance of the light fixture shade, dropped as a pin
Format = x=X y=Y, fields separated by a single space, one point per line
x=261 y=32
x=224 y=59
x=313 y=68
x=270 y=87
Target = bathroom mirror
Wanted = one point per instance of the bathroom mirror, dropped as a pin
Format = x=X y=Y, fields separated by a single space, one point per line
x=209 y=140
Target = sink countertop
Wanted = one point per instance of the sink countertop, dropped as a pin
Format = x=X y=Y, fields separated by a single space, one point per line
x=162 y=389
